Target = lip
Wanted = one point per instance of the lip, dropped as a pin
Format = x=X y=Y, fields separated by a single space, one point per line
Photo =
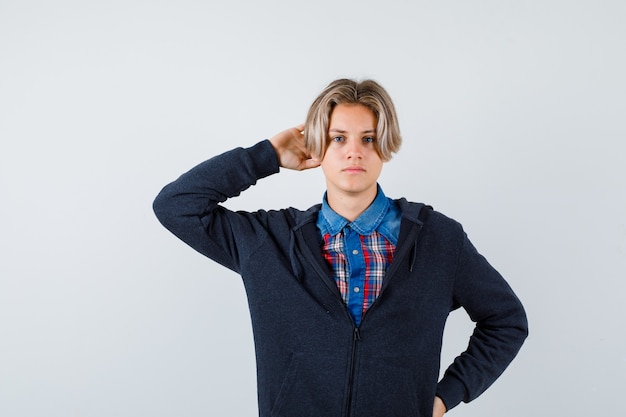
x=355 y=169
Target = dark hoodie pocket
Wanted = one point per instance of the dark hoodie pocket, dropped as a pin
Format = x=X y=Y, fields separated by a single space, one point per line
x=310 y=388
x=285 y=388
x=386 y=389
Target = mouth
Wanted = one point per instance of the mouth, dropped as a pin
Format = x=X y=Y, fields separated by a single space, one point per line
x=354 y=169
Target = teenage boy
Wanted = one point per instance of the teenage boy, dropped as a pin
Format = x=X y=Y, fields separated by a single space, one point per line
x=349 y=298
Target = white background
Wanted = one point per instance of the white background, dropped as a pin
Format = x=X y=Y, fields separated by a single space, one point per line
x=513 y=117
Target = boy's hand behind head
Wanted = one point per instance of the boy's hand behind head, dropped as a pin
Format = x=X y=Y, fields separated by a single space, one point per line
x=290 y=150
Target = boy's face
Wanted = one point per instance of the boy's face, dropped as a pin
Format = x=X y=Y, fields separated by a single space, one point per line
x=351 y=163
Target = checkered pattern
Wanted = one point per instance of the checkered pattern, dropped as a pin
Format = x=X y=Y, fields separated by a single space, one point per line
x=377 y=252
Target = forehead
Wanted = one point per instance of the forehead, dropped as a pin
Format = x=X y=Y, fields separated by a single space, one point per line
x=352 y=116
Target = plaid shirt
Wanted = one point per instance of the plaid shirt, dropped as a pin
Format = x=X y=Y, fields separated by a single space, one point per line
x=360 y=252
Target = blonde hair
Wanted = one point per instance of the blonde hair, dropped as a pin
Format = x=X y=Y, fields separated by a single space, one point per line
x=345 y=91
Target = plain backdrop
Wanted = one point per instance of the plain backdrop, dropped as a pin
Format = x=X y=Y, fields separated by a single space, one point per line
x=513 y=118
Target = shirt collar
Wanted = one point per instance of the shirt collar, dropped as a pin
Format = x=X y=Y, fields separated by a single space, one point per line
x=365 y=224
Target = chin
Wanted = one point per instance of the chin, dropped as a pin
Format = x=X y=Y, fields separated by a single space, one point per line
x=356 y=189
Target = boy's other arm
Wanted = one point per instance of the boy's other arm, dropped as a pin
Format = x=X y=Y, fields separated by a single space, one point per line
x=501 y=328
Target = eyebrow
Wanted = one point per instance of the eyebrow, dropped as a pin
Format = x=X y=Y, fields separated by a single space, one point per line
x=343 y=131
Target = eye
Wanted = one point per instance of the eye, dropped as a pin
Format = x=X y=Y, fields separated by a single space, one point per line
x=369 y=139
x=337 y=139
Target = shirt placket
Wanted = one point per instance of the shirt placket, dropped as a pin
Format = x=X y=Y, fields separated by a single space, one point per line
x=356 y=276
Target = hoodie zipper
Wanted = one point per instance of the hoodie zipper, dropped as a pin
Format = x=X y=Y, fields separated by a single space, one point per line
x=356 y=336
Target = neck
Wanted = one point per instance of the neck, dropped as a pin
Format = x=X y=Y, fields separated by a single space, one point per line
x=350 y=206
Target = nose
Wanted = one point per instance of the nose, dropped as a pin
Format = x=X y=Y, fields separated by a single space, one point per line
x=354 y=149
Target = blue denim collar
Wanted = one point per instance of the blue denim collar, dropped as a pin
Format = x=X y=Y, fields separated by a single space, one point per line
x=331 y=222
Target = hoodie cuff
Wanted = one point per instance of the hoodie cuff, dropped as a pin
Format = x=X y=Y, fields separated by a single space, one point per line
x=451 y=391
x=264 y=159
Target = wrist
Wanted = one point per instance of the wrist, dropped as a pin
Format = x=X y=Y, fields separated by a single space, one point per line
x=439 y=407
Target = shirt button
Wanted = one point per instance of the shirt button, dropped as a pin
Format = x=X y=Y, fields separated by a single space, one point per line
x=357 y=289
x=355 y=252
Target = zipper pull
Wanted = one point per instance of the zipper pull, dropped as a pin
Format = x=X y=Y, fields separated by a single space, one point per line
x=357 y=334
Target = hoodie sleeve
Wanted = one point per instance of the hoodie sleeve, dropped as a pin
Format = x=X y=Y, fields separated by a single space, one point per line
x=501 y=328
x=189 y=206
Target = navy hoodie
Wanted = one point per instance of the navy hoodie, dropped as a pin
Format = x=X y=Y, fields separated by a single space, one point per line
x=311 y=359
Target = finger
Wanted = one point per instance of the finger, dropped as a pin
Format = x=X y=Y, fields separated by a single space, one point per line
x=300 y=128
x=310 y=163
